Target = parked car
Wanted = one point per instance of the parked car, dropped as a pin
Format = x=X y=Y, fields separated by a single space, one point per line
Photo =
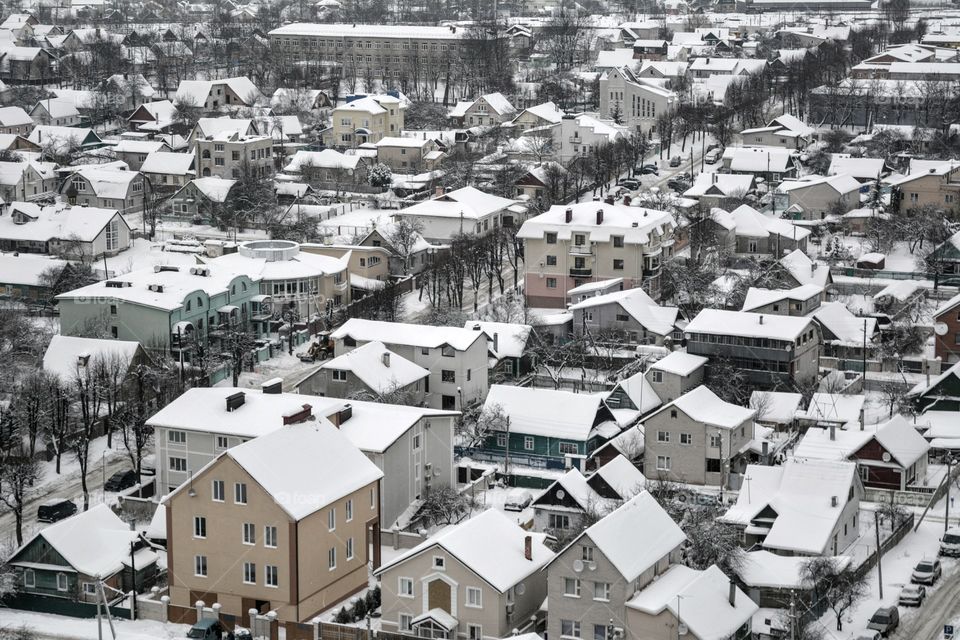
x=518 y=500
x=885 y=620
x=912 y=595
x=649 y=169
x=629 y=183
x=927 y=571
x=678 y=185
x=675 y=161
x=950 y=542
x=713 y=156
x=121 y=480
x=56 y=509
x=206 y=629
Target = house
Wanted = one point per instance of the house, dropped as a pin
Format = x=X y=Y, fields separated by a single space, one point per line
x=27 y=181
x=697 y=439
x=409 y=155
x=70 y=559
x=403 y=260
x=456 y=358
x=412 y=445
x=773 y=581
x=15 y=120
x=365 y=119
x=200 y=198
x=636 y=102
x=577 y=135
x=574 y=498
x=799 y=269
x=64 y=231
x=934 y=187
x=847 y=337
x=131 y=88
x=798 y=301
x=463 y=211
x=368 y=266
x=773 y=164
x=542 y=115
x=231 y=148
x=786 y=131
x=64 y=141
x=776 y=409
x=940 y=393
x=23 y=276
x=289 y=99
x=547 y=427
x=630 y=313
x=369 y=372
x=278 y=523
x=745 y=232
x=168 y=172
x=126 y=191
x=216 y=95
x=630 y=399
x=69 y=357
x=768 y=349
x=862 y=169
x=716 y=607
x=589 y=242
x=813 y=198
x=478 y=579
x=714 y=189
x=946 y=320
x=675 y=374
x=15 y=143
x=27 y=65
x=492 y=109
x=945 y=260
x=330 y=169
x=891 y=455
x=134 y=151
x=153 y=117
x=806 y=507
x=590 y=581
x=507 y=343
x=56 y=112
x=833 y=409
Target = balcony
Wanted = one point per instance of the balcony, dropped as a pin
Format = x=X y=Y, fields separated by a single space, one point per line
x=581 y=249
x=584 y=272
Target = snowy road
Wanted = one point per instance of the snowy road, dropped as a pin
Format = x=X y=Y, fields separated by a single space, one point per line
x=939 y=608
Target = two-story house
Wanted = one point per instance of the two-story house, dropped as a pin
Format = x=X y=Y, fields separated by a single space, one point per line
x=126 y=191
x=456 y=358
x=59 y=229
x=371 y=372
x=467 y=210
x=786 y=131
x=231 y=148
x=283 y=523
x=216 y=95
x=697 y=439
x=768 y=349
x=568 y=246
x=168 y=172
x=813 y=198
x=798 y=301
x=675 y=374
x=365 y=119
x=630 y=313
x=200 y=198
x=492 y=109
x=937 y=187
x=590 y=581
x=478 y=580
x=409 y=155
x=330 y=169
x=16 y=121
x=57 y=112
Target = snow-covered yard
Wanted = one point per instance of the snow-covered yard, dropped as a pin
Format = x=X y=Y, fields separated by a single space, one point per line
x=48 y=625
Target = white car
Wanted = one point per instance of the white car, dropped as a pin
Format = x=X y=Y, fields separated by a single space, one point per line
x=912 y=595
x=518 y=500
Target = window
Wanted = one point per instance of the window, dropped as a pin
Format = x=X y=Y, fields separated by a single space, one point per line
x=339 y=375
x=663 y=463
x=349 y=510
x=223 y=442
x=240 y=493
x=61 y=582
x=439 y=562
x=570 y=628
x=618 y=265
x=249 y=573
x=551 y=238
x=29 y=578
x=657 y=377
x=474 y=632
x=713 y=465
x=349 y=548
x=249 y=533
x=474 y=597
x=528 y=443
x=447 y=351
x=199 y=527
x=178 y=464
x=715 y=440
x=271 y=576
x=373 y=498
x=217 y=490
x=177 y=437
x=406 y=588
x=551 y=283
x=218 y=162
x=332 y=558
x=663 y=436
x=586 y=553
x=218 y=147
x=571 y=587
x=568 y=448
x=601 y=590
x=501 y=440
x=686 y=438
x=551 y=261
x=332 y=518
x=446 y=375
x=617 y=242
x=113 y=309
x=200 y=566
x=622 y=317
x=406 y=622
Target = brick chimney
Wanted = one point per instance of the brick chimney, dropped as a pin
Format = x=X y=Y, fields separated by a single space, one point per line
x=298 y=415
x=599 y=216
x=438 y=191
x=385 y=358
x=568 y=217
x=528 y=547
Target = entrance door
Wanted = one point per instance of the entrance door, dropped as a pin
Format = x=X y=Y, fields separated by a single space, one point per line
x=438 y=595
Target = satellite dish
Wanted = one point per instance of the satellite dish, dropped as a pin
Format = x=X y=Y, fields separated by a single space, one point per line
x=886 y=457
x=561 y=494
x=941 y=328
x=682 y=629
x=578 y=565
x=521 y=588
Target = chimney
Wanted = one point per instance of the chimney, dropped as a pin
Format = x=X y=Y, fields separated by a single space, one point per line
x=568 y=217
x=833 y=432
x=496 y=341
x=385 y=358
x=236 y=400
x=627 y=200
x=438 y=191
x=765 y=451
x=833 y=501
x=713 y=178
x=345 y=414
x=528 y=547
x=273 y=386
x=813 y=269
x=477 y=327
x=599 y=216
x=761 y=318
x=733 y=594
x=298 y=415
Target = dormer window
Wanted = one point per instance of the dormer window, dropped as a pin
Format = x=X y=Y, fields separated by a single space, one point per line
x=78 y=183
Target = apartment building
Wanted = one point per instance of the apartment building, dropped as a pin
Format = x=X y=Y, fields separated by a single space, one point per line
x=635 y=101
x=938 y=186
x=231 y=148
x=569 y=246
x=365 y=119
x=283 y=523
x=768 y=349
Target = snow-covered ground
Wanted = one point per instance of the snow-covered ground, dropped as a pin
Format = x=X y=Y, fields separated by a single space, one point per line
x=144 y=254
x=47 y=625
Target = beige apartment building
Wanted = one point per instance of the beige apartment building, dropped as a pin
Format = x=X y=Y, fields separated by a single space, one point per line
x=230 y=154
x=365 y=119
x=568 y=246
x=639 y=103
x=938 y=186
x=283 y=523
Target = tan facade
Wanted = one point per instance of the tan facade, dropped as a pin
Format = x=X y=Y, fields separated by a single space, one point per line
x=368 y=262
x=941 y=191
x=229 y=159
x=346 y=124
x=299 y=557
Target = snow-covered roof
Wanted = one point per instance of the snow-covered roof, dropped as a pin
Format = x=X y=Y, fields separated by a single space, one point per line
x=195 y=92
x=900 y=290
x=779 y=407
x=639 y=306
x=757 y=297
x=466 y=202
x=898 y=437
x=704 y=406
x=546 y=111
x=588 y=287
x=748 y=325
x=804 y=270
x=326 y=159
x=14 y=116
x=834 y=407
x=511 y=338
x=68 y=356
x=166 y=162
x=637 y=225
x=842 y=183
x=707 y=612
x=758 y=159
x=26 y=269
x=139 y=146
x=622 y=476
x=216 y=189
x=848 y=328
x=640 y=392
x=654 y=534
x=378 y=368
x=416 y=335
x=377 y=31
x=224 y=128
x=490 y=545
x=722 y=184
x=747 y=221
x=31 y=222
x=764 y=569
x=546 y=412
x=861 y=168
x=109 y=183
x=679 y=363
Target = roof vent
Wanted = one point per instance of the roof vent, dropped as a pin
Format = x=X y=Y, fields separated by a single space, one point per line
x=236 y=400
x=200 y=271
x=385 y=358
x=273 y=386
x=157 y=268
x=83 y=359
x=833 y=501
x=156 y=288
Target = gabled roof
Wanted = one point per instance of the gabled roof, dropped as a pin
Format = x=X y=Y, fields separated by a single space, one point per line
x=776 y=406
x=640 y=306
x=511 y=338
x=748 y=325
x=862 y=168
x=804 y=270
x=67 y=356
x=640 y=392
x=757 y=297
x=679 y=363
x=547 y=412
x=848 y=328
x=378 y=368
x=417 y=335
x=215 y=189
x=834 y=407
x=704 y=406
x=722 y=184
x=490 y=545
x=166 y=162
x=466 y=202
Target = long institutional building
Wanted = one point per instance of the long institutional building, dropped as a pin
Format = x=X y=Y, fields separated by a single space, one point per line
x=384 y=48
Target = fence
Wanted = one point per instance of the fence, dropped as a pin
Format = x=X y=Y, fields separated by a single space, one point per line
x=886 y=545
x=59 y=606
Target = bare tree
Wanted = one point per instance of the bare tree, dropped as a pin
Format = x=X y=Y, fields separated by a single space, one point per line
x=840 y=587
x=89 y=400
x=18 y=473
x=404 y=235
x=444 y=505
x=474 y=428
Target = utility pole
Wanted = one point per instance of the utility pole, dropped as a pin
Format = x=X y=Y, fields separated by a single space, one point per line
x=506 y=459
x=946 y=512
x=793 y=615
x=876 y=528
x=133 y=579
x=864 y=354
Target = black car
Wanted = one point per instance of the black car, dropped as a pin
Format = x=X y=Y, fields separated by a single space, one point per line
x=629 y=183
x=54 y=510
x=121 y=480
x=678 y=185
x=649 y=169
